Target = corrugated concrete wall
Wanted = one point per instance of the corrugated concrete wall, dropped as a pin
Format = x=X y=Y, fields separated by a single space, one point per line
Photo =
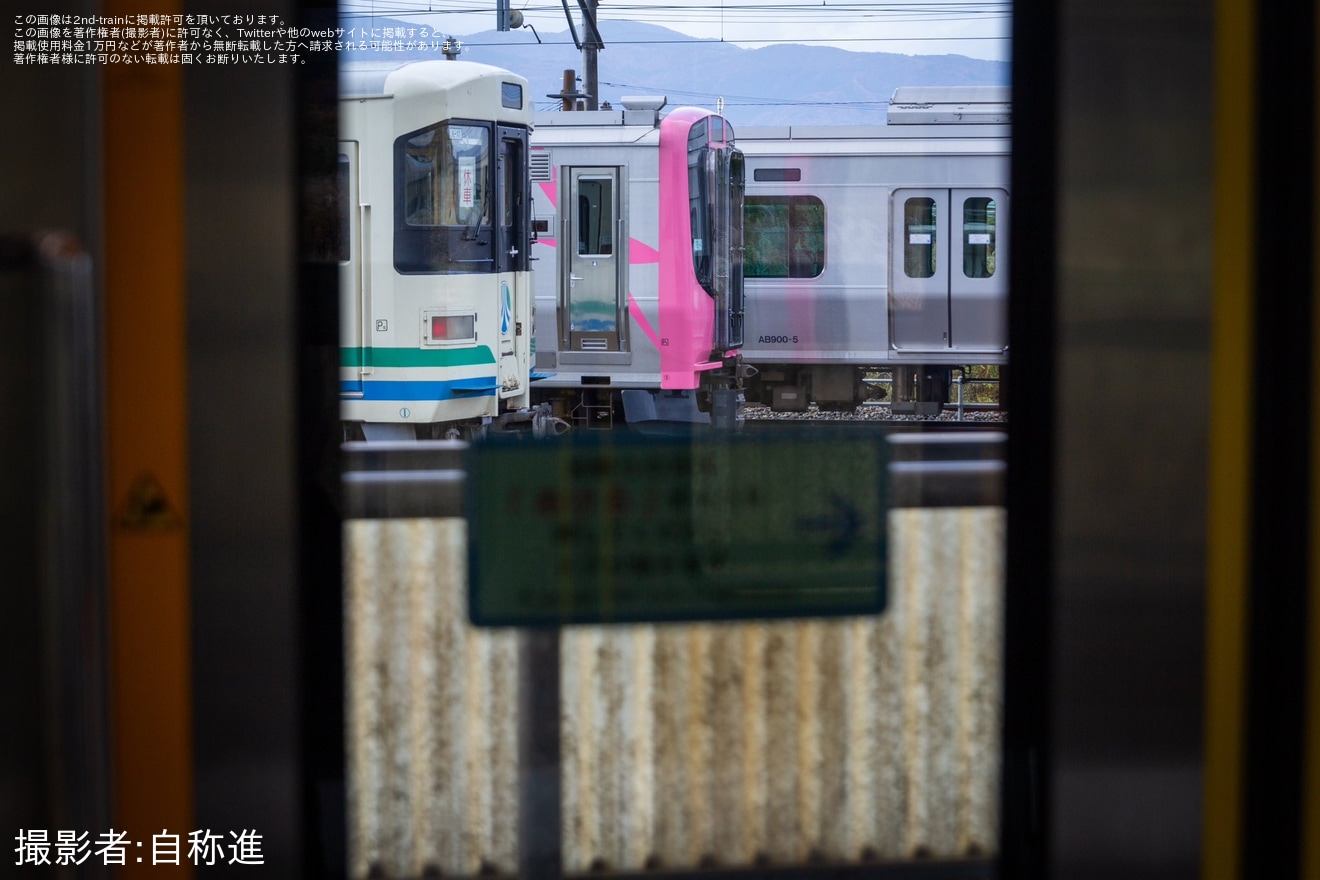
x=725 y=744
x=432 y=753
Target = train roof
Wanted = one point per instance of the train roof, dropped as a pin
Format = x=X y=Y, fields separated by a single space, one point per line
x=915 y=112
x=595 y=127
x=611 y=127
x=941 y=105
x=850 y=138
x=925 y=113
x=375 y=80
x=638 y=121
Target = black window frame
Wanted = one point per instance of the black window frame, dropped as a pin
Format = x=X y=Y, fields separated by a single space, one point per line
x=445 y=249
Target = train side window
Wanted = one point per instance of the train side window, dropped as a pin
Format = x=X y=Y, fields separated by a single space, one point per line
x=919 y=244
x=784 y=236
x=595 y=216
x=979 y=237
x=698 y=213
x=510 y=189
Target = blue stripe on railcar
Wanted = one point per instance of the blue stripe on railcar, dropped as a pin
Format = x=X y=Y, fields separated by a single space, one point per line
x=477 y=386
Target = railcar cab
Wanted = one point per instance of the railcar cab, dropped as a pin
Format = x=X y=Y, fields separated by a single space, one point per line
x=435 y=275
x=701 y=283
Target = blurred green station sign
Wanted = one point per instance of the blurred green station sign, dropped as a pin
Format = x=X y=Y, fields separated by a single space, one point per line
x=612 y=527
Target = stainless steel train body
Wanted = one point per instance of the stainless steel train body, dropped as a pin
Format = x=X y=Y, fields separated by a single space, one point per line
x=638 y=257
x=879 y=247
x=867 y=249
x=435 y=282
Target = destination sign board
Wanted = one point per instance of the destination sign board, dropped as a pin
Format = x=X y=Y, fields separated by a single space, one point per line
x=599 y=527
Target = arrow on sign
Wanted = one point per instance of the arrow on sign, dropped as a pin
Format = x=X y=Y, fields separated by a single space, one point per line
x=842 y=525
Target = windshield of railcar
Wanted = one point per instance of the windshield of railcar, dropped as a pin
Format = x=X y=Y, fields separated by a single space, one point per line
x=446 y=176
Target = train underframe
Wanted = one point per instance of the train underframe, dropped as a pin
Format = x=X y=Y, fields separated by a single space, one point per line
x=919 y=390
x=717 y=402
x=537 y=421
x=911 y=389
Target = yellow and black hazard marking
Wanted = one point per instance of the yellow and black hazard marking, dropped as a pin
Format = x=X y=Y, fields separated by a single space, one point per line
x=147 y=470
x=148 y=508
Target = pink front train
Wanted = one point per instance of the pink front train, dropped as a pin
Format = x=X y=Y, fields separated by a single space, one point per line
x=696 y=248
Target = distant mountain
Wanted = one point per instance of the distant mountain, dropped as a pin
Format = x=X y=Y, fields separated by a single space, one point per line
x=807 y=84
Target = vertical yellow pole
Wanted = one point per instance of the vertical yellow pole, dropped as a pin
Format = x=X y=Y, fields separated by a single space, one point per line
x=147 y=468
x=1231 y=378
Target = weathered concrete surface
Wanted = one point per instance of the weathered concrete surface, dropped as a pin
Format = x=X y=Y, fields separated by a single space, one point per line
x=682 y=744
x=432 y=754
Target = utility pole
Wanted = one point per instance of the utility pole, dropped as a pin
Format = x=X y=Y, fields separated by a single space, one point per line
x=508 y=19
x=591 y=45
x=569 y=94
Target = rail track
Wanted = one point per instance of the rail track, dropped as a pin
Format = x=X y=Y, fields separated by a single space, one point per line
x=762 y=418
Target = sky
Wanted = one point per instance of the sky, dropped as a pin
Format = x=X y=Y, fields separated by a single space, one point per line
x=976 y=28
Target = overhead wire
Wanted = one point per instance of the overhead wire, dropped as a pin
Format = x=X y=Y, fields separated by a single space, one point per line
x=443 y=6
x=800 y=13
x=728 y=14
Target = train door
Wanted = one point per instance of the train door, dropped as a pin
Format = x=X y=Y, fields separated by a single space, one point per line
x=919 y=273
x=511 y=255
x=948 y=273
x=591 y=266
x=978 y=282
x=354 y=278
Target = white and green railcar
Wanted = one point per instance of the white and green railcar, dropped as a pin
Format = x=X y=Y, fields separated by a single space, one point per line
x=435 y=283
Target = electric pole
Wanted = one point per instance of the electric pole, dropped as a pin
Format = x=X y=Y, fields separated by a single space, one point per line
x=508 y=19
x=591 y=45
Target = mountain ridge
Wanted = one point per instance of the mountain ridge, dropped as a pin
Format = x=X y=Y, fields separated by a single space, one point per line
x=810 y=84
